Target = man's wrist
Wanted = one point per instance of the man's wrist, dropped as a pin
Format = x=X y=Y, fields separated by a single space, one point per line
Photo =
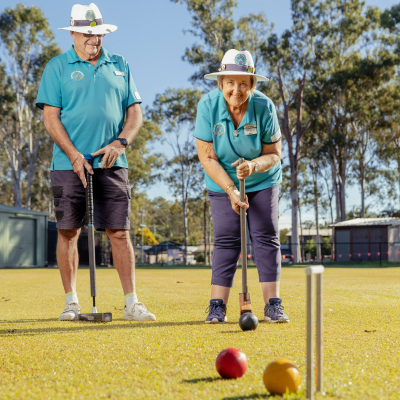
x=123 y=141
x=73 y=156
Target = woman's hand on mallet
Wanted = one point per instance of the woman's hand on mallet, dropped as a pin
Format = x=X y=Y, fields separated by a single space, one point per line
x=243 y=170
x=236 y=203
x=79 y=168
x=111 y=152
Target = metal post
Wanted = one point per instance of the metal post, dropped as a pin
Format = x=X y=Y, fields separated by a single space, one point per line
x=310 y=341
x=319 y=366
x=310 y=271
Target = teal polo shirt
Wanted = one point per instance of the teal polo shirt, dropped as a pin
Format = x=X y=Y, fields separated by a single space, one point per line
x=259 y=125
x=93 y=101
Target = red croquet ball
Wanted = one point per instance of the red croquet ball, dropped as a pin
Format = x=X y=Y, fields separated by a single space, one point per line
x=231 y=363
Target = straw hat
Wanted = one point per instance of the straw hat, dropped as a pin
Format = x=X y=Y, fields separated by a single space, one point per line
x=88 y=19
x=236 y=62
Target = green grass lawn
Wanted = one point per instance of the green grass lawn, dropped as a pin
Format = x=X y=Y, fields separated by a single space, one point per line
x=174 y=357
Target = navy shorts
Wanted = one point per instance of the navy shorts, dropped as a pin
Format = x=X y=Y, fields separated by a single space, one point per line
x=262 y=222
x=111 y=199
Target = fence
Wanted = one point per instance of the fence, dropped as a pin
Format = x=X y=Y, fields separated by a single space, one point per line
x=102 y=247
x=382 y=252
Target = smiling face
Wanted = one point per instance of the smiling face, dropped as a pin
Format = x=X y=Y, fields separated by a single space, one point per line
x=87 y=48
x=236 y=89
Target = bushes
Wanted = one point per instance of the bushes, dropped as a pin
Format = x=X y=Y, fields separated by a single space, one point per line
x=200 y=258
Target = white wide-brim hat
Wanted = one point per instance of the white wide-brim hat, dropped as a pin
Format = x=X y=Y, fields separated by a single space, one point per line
x=236 y=62
x=88 y=19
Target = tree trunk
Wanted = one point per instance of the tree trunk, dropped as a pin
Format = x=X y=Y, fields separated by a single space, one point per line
x=294 y=148
x=301 y=232
x=362 y=184
x=295 y=233
x=34 y=141
x=318 y=239
x=342 y=183
x=335 y=189
x=185 y=230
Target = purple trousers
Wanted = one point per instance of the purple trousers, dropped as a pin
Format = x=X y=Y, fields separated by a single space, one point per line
x=262 y=222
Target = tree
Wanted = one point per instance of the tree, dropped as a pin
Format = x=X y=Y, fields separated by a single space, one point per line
x=148 y=237
x=212 y=22
x=290 y=58
x=282 y=236
x=28 y=43
x=175 y=110
x=352 y=69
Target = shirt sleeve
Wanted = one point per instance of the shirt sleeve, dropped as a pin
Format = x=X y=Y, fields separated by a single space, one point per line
x=271 y=132
x=133 y=94
x=203 y=129
x=50 y=87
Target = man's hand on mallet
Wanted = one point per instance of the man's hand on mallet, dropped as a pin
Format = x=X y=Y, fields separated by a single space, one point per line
x=79 y=168
x=111 y=152
x=243 y=170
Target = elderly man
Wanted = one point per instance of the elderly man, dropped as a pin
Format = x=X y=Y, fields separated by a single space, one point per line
x=86 y=93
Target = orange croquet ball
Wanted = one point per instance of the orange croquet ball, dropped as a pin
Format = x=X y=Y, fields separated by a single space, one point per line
x=281 y=375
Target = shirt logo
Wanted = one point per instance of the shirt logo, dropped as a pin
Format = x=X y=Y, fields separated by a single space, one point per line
x=240 y=59
x=219 y=129
x=77 y=76
x=90 y=15
x=137 y=95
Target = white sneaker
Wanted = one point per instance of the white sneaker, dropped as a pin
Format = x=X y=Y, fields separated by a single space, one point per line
x=138 y=312
x=70 y=312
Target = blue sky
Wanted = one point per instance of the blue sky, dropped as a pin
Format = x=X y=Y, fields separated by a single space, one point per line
x=150 y=37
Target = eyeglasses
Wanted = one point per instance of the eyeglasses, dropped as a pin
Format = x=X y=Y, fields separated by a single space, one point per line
x=88 y=35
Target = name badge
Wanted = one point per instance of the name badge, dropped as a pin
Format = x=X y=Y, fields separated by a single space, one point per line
x=119 y=73
x=250 y=131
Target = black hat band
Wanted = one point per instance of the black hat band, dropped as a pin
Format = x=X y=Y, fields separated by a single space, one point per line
x=95 y=22
x=239 y=68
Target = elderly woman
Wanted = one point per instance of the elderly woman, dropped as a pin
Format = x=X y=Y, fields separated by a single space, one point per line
x=236 y=121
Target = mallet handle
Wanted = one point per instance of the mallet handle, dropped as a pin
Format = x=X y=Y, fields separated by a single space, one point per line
x=89 y=210
x=243 y=234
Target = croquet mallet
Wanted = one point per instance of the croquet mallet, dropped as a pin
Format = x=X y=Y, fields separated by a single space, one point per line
x=244 y=298
x=94 y=316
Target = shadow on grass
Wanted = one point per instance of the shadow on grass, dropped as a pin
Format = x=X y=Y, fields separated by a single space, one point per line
x=250 y=396
x=199 y=380
x=26 y=320
x=237 y=332
x=85 y=326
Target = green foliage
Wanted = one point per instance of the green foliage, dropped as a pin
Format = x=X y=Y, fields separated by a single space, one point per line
x=282 y=236
x=27 y=40
x=391 y=17
x=200 y=258
x=165 y=217
x=144 y=166
x=326 y=246
x=212 y=22
x=311 y=245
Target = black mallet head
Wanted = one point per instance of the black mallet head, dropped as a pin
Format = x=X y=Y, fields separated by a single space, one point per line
x=248 y=322
x=95 y=317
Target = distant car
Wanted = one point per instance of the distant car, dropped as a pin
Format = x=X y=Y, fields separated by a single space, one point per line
x=286 y=253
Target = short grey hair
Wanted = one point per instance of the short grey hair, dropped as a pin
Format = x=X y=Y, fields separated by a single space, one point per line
x=253 y=82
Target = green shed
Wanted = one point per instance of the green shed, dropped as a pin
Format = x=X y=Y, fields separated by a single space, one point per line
x=23 y=237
